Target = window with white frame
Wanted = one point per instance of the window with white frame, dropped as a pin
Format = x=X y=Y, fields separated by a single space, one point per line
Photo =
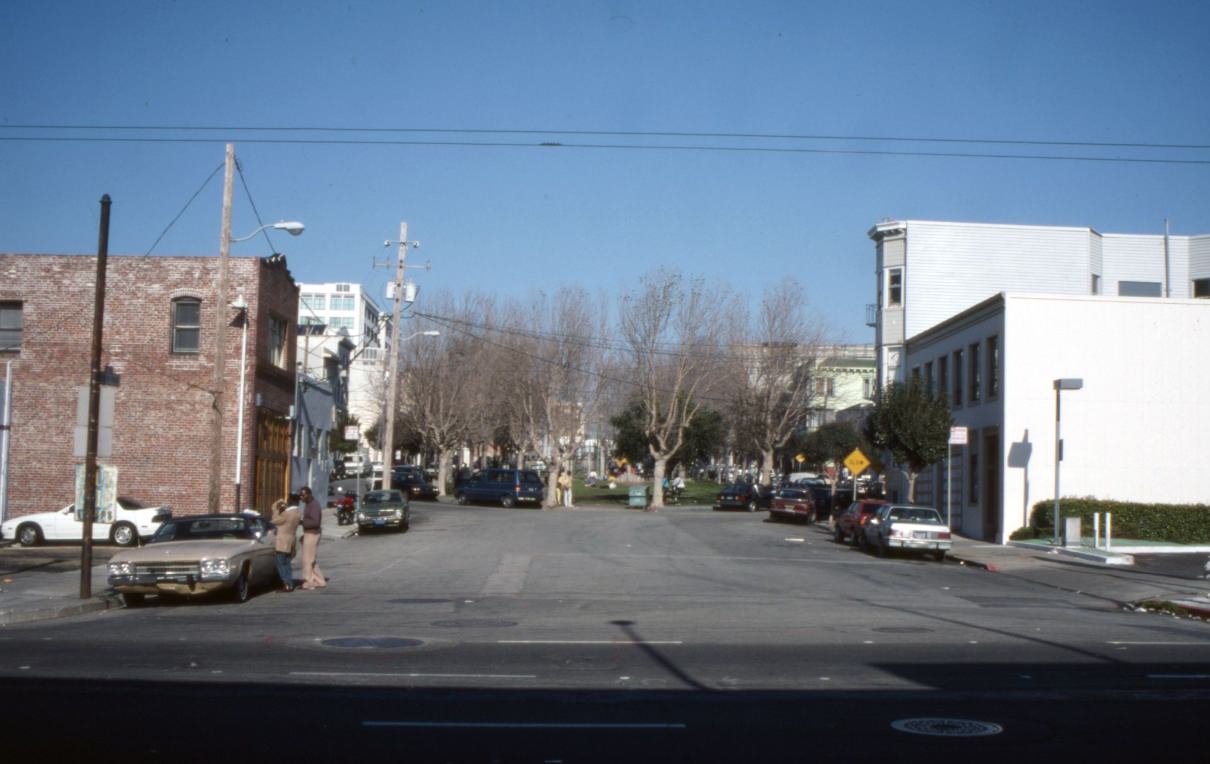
x=314 y=302
x=277 y=341
x=10 y=326
x=186 y=325
x=894 y=294
x=341 y=303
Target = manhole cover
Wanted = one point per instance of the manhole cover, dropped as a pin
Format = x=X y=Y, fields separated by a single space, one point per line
x=947 y=727
x=470 y=623
x=371 y=642
x=903 y=630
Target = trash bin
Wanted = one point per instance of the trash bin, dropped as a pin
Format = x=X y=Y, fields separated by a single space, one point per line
x=640 y=496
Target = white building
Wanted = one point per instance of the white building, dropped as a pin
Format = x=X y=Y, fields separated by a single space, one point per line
x=1138 y=430
x=336 y=313
x=991 y=315
x=842 y=384
x=928 y=271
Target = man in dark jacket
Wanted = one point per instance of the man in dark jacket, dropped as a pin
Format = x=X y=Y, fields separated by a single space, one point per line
x=312 y=522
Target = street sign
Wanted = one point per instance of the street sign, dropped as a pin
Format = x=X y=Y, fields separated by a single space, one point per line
x=856 y=462
x=800 y=458
x=351 y=432
x=958 y=436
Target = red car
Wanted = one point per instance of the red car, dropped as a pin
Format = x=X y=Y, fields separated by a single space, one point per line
x=794 y=504
x=851 y=522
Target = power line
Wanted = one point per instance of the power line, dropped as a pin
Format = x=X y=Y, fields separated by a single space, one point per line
x=551 y=145
x=616 y=133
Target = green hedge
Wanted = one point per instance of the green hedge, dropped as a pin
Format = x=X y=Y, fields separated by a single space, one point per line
x=1178 y=523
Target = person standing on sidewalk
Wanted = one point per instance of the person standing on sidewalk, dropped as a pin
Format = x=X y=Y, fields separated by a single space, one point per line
x=312 y=523
x=565 y=488
x=286 y=520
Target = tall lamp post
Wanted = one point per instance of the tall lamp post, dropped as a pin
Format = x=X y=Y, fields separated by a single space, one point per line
x=1068 y=383
x=241 y=305
x=220 y=327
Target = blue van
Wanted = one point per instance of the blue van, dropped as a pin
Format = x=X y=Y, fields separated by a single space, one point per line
x=507 y=487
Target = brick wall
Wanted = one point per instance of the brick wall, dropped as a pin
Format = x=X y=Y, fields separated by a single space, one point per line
x=162 y=419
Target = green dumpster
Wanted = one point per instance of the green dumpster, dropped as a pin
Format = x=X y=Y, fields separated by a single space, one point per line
x=640 y=496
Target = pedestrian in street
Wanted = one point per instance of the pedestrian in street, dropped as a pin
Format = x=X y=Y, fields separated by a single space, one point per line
x=565 y=488
x=286 y=520
x=312 y=522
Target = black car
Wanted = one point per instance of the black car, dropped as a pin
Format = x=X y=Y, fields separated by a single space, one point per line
x=415 y=485
x=505 y=486
x=749 y=496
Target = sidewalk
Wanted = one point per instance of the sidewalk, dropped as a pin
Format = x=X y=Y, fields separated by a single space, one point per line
x=1109 y=576
x=38 y=596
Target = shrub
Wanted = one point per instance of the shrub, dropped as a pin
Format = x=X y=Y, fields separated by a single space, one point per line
x=1177 y=523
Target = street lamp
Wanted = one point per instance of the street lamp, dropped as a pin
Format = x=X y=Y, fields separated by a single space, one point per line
x=241 y=305
x=1069 y=383
x=388 y=449
x=214 y=502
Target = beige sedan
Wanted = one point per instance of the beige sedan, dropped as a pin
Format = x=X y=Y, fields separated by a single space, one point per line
x=191 y=556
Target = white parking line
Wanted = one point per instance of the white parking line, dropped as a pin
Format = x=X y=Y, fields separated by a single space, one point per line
x=411 y=676
x=532 y=725
x=585 y=642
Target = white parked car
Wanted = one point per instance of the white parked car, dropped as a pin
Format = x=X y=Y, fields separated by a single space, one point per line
x=907 y=527
x=123 y=524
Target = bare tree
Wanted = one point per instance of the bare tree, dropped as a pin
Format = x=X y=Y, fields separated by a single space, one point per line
x=672 y=331
x=771 y=388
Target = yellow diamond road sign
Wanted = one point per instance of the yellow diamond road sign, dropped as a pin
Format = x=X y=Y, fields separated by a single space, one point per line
x=856 y=462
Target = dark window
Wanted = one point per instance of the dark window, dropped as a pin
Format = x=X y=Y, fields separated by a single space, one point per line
x=1201 y=288
x=928 y=378
x=1096 y=284
x=993 y=367
x=1140 y=289
x=957 y=378
x=277 y=342
x=10 y=326
x=976 y=375
x=186 y=325
x=974 y=467
x=943 y=376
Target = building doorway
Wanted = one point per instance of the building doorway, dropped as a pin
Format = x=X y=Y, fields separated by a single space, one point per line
x=272 y=460
x=991 y=497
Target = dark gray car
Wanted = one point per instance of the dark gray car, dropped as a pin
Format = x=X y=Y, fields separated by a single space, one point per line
x=506 y=487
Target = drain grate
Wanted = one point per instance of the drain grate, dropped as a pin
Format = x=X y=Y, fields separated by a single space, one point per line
x=947 y=727
x=471 y=623
x=364 y=643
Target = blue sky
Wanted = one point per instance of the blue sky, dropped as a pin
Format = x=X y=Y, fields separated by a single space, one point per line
x=508 y=219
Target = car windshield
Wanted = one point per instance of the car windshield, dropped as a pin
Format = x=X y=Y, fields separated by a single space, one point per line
x=384 y=497
x=204 y=528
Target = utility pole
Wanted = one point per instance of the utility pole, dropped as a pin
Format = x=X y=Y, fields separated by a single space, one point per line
x=220 y=340
x=94 y=405
x=388 y=450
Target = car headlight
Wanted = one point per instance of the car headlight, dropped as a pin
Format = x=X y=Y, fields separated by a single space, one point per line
x=361 y=516
x=121 y=568
x=215 y=568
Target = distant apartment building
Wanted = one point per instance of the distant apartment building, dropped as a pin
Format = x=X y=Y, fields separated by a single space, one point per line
x=159 y=337
x=842 y=384
x=989 y=316
x=343 y=338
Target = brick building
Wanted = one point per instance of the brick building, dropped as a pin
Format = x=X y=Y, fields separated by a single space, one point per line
x=159 y=337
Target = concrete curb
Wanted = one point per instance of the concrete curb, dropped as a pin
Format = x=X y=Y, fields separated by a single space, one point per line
x=13 y=616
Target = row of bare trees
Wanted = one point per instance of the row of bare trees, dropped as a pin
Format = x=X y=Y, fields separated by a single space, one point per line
x=542 y=374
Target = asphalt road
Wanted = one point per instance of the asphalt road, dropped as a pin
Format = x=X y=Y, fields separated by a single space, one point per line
x=486 y=634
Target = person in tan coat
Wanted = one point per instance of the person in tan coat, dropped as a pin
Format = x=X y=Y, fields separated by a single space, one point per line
x=286 y=519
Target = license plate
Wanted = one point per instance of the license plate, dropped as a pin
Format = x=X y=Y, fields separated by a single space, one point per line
x=380 y=522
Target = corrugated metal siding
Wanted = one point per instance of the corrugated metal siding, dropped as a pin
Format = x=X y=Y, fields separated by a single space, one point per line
x=1134 y=258
x=1199 y=257
x=952 y=266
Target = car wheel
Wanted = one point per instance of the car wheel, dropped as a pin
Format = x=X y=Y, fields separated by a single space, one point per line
x=882 y=549
x=124 y=534
x=940 y=555
x=508 y=502
x=460 y=498
x=751 y=506
x=859 y=538
x=242 y=587
x=130 y=599
x=29 y=535
x=837 y=535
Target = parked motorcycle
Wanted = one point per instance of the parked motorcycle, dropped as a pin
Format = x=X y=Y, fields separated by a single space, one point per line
x=346 y=507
